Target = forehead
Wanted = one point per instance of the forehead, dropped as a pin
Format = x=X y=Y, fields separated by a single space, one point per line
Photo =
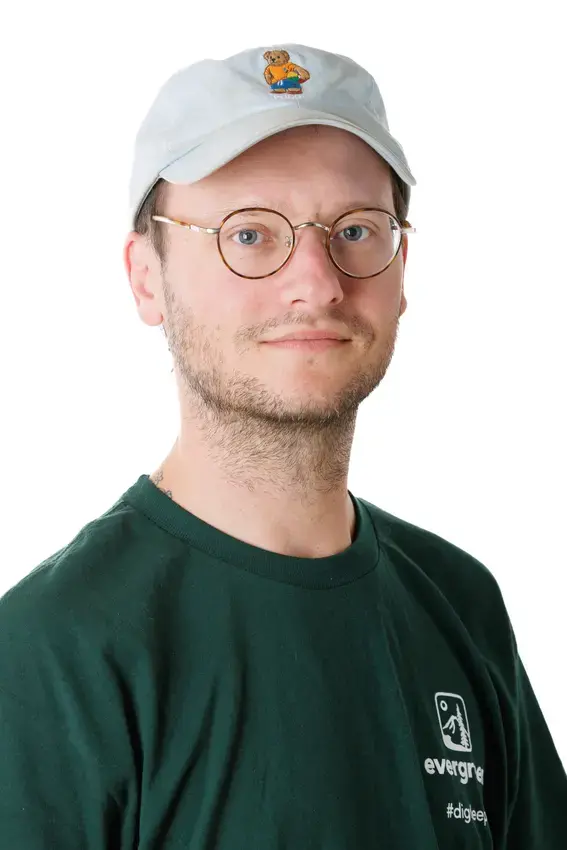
x=299 y=168
x=314 y=142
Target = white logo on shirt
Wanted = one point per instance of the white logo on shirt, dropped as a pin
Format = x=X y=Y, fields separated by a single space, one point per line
x=453 y=720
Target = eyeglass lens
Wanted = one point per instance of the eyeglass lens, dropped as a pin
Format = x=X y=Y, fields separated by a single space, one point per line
x=256 y=243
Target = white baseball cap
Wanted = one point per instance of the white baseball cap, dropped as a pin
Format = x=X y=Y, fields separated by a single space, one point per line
x=211 y=111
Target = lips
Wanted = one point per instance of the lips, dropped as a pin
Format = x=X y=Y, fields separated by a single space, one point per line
x=307 y=336
x=308 y=344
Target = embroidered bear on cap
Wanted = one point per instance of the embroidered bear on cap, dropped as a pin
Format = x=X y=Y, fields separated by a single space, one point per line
x=282 y=75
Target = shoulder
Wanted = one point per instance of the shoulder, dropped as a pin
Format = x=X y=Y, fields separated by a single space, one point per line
x=86 y=584
x=440 y=574
x=72 y=628
x=434 y=554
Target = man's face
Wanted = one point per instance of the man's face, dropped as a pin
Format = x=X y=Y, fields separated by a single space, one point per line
x=217 y=322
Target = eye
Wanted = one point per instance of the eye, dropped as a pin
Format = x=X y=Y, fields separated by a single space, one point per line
x=247 y=236
x=353 y=233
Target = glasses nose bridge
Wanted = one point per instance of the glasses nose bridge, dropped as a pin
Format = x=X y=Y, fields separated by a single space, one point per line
x=312 y=224
x=318 y=224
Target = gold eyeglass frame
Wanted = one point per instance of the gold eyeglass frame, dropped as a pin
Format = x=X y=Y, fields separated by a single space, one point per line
x=405 y=227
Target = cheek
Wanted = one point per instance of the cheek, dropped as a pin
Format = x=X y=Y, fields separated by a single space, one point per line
x=228 y=306
x=386 y=288
x=197 y=275
x=374 y=303
x=379 y=290
x=245 y=310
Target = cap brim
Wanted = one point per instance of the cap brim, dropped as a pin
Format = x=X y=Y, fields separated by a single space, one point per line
x=222 y=146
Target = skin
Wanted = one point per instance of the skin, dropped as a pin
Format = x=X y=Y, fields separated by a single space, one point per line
x=266 y=433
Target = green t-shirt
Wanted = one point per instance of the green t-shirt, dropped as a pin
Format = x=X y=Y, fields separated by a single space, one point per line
x=164 y=685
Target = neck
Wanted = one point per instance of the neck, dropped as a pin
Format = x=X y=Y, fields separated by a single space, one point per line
x=282 y=488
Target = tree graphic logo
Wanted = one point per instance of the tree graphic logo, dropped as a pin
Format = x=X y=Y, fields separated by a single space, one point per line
x=453 y=720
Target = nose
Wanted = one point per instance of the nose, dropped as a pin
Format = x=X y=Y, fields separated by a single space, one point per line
x=311 y=275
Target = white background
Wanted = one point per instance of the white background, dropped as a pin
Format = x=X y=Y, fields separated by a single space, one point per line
x=466 y=435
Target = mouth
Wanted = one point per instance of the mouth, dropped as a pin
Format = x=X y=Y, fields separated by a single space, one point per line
x=308 y=344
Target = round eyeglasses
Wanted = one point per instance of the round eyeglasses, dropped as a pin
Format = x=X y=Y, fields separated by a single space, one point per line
x=256 y=242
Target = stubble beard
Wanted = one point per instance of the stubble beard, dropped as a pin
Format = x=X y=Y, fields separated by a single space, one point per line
x=253 y=433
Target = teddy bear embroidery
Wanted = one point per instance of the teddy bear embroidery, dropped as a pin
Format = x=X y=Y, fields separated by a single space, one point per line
x=282 y=75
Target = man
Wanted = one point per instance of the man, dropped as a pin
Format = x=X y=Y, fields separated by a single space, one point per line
x=240 y=653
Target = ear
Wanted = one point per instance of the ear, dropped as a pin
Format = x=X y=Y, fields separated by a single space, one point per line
x=403 y=300
x=266 y=55
x=142 y=268
x=286 y=55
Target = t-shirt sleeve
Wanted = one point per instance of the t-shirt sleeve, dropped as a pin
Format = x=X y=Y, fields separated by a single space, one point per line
x=64 y=739
x=48 y=788
x=538 y=803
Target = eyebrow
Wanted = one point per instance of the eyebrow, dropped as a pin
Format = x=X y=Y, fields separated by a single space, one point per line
x=255 y=202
